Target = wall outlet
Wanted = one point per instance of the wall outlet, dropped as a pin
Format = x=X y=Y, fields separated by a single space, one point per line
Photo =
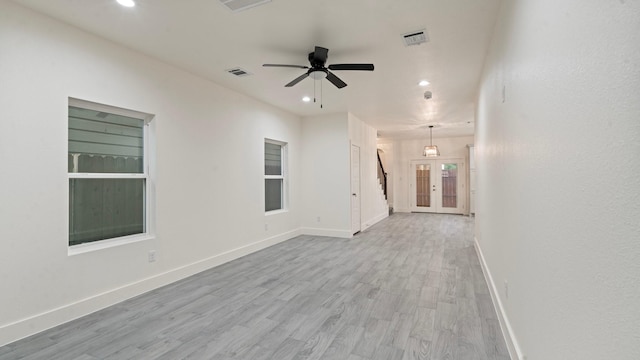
x=318 y=219
x=506 y=289
x=266 y=227
x=152 y=256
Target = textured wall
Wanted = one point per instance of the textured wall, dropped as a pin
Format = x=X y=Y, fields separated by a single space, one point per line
x=325 y=175
x=558 y=150
x=209 y=184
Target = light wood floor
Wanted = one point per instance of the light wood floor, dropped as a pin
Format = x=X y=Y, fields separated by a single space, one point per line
x=410 y=287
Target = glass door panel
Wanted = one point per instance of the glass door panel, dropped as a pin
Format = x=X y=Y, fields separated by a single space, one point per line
x=423 y=182
x=423 y=179
x=450 y=186
x=449 y=178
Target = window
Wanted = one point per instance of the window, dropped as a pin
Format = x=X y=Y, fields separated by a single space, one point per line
x=108 y=172
x=274 y=175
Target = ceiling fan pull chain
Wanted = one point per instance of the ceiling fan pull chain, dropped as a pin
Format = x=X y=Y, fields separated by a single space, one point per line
x=314 y=92
x=320 y=94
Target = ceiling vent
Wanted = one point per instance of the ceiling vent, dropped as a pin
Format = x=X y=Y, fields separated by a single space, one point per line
x=238 y=72
x=239 y=5
x=415 y=37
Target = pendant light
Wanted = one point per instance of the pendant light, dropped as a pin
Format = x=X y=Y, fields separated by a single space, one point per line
x=431 y=150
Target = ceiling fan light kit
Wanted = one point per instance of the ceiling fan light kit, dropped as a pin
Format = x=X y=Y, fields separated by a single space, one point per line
x=318 y=75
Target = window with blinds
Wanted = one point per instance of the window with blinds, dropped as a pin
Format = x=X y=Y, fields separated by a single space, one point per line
x=274 y=175
x=107 y=172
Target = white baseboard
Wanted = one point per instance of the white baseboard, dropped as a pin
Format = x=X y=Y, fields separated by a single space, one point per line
x=515 y=352
x=37 y=323
x=346 y=234
x=375 y=220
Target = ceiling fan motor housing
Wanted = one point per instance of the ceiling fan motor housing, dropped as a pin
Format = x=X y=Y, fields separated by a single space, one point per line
x=315 y=62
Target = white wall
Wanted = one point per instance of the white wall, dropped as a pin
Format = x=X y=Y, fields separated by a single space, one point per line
x=373 y=205
x=325 y=176
x=559 y=176
x=404 y=151
x=210 y=201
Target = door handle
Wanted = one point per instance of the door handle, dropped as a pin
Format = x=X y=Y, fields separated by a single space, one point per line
x=354 y=194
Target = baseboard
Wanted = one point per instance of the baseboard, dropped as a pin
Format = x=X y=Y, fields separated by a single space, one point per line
x=346 y=234
x=40 y=322
x=402 y=210
x=515 y=352
x=375 y=220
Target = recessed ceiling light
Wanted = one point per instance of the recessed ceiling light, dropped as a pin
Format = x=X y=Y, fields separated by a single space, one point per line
x=306 y=99
x=423 y=83
x=127 y=3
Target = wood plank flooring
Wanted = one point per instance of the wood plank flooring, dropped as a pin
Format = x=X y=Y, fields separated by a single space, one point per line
x=408 y=288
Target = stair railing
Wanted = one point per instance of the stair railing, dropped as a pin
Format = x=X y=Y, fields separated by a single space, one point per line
x=382 y=176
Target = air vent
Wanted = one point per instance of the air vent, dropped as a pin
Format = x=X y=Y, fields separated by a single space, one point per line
x=238 y=72
x=239 y=5
x=415 y=37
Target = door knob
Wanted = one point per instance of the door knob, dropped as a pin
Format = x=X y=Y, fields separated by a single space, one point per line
x=354 y=194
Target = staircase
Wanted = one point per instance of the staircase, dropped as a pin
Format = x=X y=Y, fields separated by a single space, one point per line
x=382 y=180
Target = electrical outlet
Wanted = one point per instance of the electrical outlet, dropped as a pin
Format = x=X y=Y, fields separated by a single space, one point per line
x=318 y=219
x=152 y=256
x=266 y=227
x=506 y=289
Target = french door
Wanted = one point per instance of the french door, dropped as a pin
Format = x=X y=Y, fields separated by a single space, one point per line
x=437 y=186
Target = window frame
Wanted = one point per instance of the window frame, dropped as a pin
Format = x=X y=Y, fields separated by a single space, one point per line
x=148 y=200
x=284 y=197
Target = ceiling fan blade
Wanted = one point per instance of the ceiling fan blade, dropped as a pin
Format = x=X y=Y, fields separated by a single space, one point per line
x=297 y=80
x=335 y=80
x=288 y=66
x=363 y=67
x=320 y=54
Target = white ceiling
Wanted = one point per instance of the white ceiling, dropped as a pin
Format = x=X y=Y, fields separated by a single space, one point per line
x=205 y=38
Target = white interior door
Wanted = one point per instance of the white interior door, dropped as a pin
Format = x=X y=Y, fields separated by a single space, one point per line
x=355 y=189
x=437 y=186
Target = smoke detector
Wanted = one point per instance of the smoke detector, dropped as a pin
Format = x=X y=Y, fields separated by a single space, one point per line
x=415 y=37
x=428 y=95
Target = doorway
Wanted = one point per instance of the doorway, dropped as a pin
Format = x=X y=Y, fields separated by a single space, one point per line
x=437 y=186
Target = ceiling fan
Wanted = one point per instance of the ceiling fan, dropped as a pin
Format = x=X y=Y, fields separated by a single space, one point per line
x=318 y=71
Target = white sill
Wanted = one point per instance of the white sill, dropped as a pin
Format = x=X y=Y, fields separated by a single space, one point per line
x=106 y=244
x=276 y=212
